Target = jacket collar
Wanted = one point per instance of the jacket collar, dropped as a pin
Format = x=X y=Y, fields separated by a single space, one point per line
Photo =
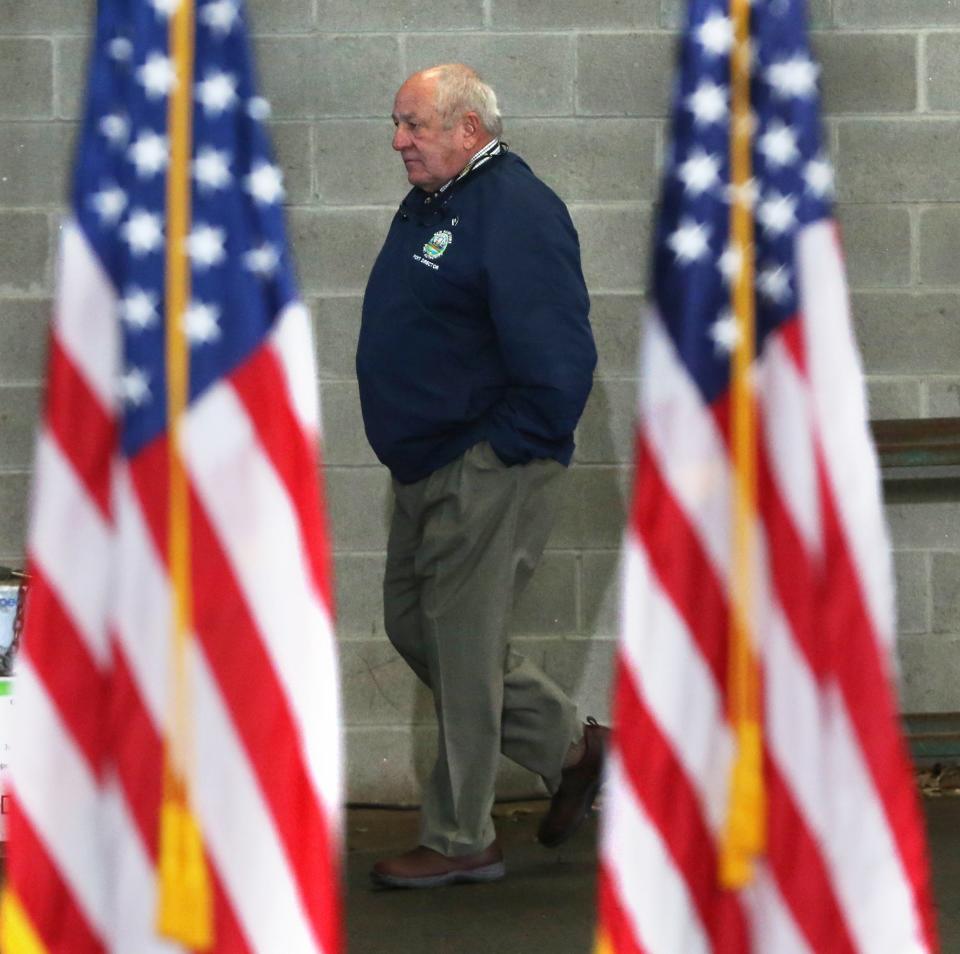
x=491 y=149
x=423 y=205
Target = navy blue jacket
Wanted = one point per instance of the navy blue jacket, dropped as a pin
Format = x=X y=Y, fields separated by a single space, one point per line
x=475 y=325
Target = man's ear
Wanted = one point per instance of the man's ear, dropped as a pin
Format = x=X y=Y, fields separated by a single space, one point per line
x=472 y=128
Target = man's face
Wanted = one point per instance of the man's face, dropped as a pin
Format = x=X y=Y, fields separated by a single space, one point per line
x=431 y=154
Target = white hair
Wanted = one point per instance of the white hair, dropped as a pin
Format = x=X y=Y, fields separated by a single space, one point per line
x=460 y=90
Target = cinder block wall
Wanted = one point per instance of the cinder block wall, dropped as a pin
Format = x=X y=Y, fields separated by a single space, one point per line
x=584 y=85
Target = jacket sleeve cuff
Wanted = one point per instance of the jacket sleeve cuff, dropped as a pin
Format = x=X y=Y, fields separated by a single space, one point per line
x=507 y=445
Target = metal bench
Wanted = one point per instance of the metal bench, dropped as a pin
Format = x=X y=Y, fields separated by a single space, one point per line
x=919 y=458
x=920 y=461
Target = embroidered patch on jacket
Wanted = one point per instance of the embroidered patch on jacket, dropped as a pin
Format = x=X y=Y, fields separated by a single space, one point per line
x=438 y=244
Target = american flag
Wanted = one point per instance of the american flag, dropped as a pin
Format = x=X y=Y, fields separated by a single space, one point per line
x=176 y=240
x=838 y=862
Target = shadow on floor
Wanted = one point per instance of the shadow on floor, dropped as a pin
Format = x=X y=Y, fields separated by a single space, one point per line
x=546 y=903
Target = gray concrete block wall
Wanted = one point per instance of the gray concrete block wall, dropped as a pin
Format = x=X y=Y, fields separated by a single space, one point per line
x=584 y=85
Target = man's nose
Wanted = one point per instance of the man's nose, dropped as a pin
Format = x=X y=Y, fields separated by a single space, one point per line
x=400 y=138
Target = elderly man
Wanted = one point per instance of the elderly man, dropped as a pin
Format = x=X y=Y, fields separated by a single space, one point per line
x=475 y=360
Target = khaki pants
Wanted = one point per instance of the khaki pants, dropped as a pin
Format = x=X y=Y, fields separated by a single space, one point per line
x=463 y=543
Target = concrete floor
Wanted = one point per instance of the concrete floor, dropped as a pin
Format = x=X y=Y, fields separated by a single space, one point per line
x=943 y=826
x=546 y=902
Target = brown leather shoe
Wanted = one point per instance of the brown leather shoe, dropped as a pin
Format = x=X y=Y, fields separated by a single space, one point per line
x=425 y=868
x=579 y=785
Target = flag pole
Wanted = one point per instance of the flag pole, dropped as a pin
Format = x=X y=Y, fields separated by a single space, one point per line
x=185 y=907
x=744 y=833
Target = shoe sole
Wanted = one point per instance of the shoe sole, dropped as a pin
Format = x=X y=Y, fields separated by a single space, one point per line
x=482 y=875
x=559 y=839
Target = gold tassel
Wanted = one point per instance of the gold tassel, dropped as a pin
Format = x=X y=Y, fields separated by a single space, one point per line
x=744 y=836
x=185 y=910
x=17 y=934
x=603 y=945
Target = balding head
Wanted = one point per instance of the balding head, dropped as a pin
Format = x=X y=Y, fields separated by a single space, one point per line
x=460 y=90
x=443 y=115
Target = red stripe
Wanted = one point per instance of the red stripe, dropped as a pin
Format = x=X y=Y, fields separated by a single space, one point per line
x=845 y=647
x=683 y=570
x=139 y=762
x=46 y=899
x=800 y=589
x=790 y=334
x=822 y=600
x=669 y=798
x=680 y=562
x=866 y=686
x=85 y=430
x=228 y=937
x=234 y=649
x=799 y=585
x=797 y=865
x=259 y=382
x=70 y=676
x=138 y=753
x=797 y=576
x=795 y=855
x=612 y=918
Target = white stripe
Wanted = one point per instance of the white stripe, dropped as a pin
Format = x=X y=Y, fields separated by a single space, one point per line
x=772 y=928
x=788 y=433
x=690 y=451
x=677 y=685
x=836 y=383
x=85 y=315
x=141 y=607
x=808 y=730
x=132 y=883
x=863 y=857
x=796 y=728
x=681 y=695
x=692 y=458
x=652 y=892
x=71 y=543
x=240 y=834
x=253 y=517
x=810 y=741
x=233 y=816
x=693 y=461
x=821 y=764
x=801 y=738
x=56 y=791
x=292 y=340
